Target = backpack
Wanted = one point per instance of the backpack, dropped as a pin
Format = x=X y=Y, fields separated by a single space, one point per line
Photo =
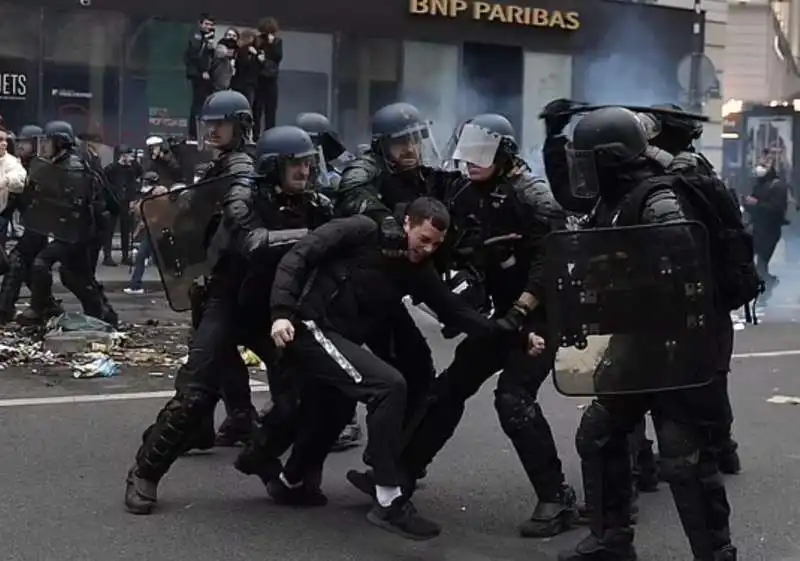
x=731 y=246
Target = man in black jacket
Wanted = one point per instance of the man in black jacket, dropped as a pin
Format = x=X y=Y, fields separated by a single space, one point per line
x=124 y=178
x=331 y=292
x=197 y=58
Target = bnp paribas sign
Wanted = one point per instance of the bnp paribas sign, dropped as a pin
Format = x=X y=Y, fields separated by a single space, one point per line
x=498 y=13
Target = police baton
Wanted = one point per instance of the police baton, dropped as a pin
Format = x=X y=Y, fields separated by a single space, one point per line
x=583 y=107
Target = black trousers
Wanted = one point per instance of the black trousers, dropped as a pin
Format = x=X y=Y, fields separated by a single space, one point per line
x=521 y=417
x=76 y=275
x=331 y=364
x=125 y=223
x=20 y=262
x=265 y=104
x=213 y=364
x=201 y=89
x=684 y=427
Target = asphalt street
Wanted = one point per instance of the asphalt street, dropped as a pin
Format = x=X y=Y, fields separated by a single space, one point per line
x=66 y=445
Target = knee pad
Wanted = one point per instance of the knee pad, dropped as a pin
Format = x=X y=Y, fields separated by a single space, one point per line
x=516 y=411
x=594 y=431
x=679 y=453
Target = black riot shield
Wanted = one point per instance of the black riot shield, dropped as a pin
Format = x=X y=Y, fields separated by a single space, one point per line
x=180 y=225
x=632 y=308
x=58 y=201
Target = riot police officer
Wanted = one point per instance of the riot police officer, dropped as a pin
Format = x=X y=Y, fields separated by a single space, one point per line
x=286 y=158
x=674 y=135
x=67 y=186
x=608 y=163
x=501 y=213
x=397 y=169
x=226 y=122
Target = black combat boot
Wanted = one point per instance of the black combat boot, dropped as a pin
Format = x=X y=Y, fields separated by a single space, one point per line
x=163 y=443
x=614 y=545
x=551 y=518
x=306 y=493
x=236 y=428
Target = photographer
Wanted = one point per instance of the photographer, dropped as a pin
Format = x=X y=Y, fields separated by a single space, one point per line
x=270 y=55
x=197 y=58
x=163 y=161
x=247 y=66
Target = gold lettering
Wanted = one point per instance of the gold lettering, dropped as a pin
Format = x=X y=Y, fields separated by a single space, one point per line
x=497 y=13
x=502 y=13
x=515 y=15
x=418 y=6
x=479 y=9
x=438 y=7
x=573 y=21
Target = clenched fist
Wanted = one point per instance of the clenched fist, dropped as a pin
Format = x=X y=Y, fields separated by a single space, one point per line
x=536 y=344
x=282 y=332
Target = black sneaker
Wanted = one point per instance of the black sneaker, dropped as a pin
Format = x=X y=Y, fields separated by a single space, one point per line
x=551 y=518
x=401 y=518
x=364 y=481
x=304 y=496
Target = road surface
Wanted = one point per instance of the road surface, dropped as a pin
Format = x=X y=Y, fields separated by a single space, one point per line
x=66 y=445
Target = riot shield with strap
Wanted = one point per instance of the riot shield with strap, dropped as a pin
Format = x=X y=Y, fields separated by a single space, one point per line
x=632 y=308
x=180 y=224
x=59 y=201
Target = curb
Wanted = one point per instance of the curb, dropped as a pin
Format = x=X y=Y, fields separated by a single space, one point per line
x=150 y=286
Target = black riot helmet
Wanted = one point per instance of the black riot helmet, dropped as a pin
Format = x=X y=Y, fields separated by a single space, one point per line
x=672 y=132
x=402 y=138
x=483 y=141
x=286 y=157
x=56 y=136
x=27 y=141
x=227 y=107
x=606 y=142
x=318 y=127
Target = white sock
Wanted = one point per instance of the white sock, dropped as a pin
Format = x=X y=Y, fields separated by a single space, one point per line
x=285 y=481
x=387 y=495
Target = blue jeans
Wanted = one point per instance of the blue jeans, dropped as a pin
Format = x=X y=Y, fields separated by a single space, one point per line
x=141 y=261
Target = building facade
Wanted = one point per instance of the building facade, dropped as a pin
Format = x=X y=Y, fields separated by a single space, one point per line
x=116 y=67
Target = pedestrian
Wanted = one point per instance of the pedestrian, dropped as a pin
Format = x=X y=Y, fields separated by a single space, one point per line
x=150 y=187
x=12 y=180
x=197 y=59
x=270 y=47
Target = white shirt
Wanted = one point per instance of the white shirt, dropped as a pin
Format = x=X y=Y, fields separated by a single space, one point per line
x=12 y=178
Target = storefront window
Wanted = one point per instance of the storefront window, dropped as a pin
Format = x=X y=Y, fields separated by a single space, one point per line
x=20 y=29
x=368 y=77
x=305 y=78
x=546 y=77
x=83 y=53
x=430 y=82
x=155 y=91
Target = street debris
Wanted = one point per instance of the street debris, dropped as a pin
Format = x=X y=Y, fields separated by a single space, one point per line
x=90 y=348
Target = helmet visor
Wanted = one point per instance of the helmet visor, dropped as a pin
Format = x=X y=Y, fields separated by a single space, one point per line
x=476 y=145
x=410 y=148
x=583 y=177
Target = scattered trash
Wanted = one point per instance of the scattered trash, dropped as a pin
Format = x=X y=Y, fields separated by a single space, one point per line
x=77 y=321
x=250 y=358
x=156 y=374
x=102 y=366
x=784 y=400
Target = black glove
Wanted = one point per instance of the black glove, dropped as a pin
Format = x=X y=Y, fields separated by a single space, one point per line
x=557 y=115
x=513 y=321
x=393 y=237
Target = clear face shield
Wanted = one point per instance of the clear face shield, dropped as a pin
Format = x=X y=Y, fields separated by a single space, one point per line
x=214 y=134
x=319 y=170
x=411 y=148
x=299 y=171
x=26 y=147
x=475 y=149
x=583 y=178
x=46 y=148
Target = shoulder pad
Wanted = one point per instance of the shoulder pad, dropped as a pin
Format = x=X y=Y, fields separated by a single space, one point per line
x=361 y=170
x=682 y=162
x=535 y=191
x=240 y=163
